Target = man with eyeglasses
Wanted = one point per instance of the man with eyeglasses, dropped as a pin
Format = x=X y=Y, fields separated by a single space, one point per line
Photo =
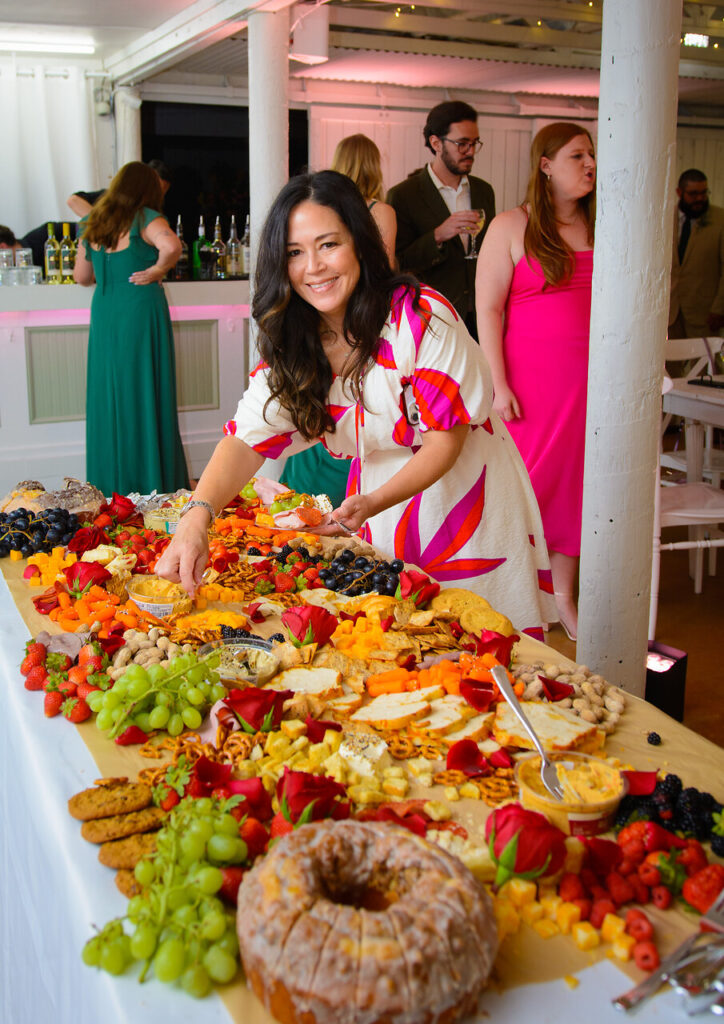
x=697 y=284
x=439 y=208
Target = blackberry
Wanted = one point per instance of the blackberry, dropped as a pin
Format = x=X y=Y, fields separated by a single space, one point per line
x=671 y=785
x=717 y=846
x=654 y=739
x=253 y=551
x=285 y=553
x=230 y=633
x=279 y=637
x=626 y=809
x=301 y=550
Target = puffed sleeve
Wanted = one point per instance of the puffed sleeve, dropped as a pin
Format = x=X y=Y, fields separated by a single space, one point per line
x=270 y=431
x=449 y=376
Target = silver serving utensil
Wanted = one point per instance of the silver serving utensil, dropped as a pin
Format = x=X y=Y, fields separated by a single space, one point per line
x=548 y=773
x=651 y=984
x=701 y=971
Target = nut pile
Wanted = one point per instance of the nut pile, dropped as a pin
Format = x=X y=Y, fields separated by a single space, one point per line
x=146 y=649
x=594 y=700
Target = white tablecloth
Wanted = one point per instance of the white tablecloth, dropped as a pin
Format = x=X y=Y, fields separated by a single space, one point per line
x=52 y=890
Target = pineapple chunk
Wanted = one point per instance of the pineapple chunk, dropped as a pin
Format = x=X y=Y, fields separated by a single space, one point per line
x=612 y=927
x=546 y=928
x=550 y=906
x=531 y=912
x=519 y=891
x=622 y=947
x=507 y=917
x=585 y=935
x=567 y=915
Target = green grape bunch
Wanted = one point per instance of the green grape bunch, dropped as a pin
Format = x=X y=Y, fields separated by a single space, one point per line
x=172 y=697
x=178 y=927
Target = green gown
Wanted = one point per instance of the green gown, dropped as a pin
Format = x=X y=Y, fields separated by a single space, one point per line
x=132 y=434
x=315 y=471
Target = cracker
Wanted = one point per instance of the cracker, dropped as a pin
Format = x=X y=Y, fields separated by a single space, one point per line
x=127 y=884
x=102 y=830
x=476 y=619
x=126 y=853
x=109 y=797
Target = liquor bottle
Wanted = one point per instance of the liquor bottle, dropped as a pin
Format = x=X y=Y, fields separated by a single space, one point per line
x=202 y=258
x=51 y=251
x=181 y=271
x=219 y=250
x=67 y=256
x=233 y=253
x=246 y=249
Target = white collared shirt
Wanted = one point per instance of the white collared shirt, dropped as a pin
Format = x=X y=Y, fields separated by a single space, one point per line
x=455 y=198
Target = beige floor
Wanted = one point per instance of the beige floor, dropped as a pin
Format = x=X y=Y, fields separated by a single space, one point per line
x=693 y=623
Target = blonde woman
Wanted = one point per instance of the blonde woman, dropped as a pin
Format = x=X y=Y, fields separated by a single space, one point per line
x=533 y=299
x=359 y=158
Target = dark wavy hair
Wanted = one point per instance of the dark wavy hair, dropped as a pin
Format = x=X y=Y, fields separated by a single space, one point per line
x=136 y=185
x=289 y=328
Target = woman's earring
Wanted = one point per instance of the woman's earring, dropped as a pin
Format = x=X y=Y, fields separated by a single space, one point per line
x=548 y=177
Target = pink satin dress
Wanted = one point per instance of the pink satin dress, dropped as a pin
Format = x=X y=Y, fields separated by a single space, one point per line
x=545 y=342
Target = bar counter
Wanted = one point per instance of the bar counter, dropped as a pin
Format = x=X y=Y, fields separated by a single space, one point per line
x=43 y=343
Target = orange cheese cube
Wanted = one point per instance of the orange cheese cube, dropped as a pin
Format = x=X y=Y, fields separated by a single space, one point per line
x=612 y=927
x=622 y=947
x=585 y=935
x=546 y=928
x=567 y=915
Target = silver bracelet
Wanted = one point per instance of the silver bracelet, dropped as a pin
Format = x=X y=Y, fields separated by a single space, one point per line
x=202 y=504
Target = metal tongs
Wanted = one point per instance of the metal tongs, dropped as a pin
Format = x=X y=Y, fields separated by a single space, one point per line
x=548 y=773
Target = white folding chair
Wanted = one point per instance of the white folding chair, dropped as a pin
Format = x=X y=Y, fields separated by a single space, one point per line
x=680 y=350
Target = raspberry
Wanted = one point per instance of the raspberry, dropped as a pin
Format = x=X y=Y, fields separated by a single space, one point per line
x=661 y=897
x=638 y=925
x=620 y=888
x=571 y=887
x=646 y=956
x=654 y=739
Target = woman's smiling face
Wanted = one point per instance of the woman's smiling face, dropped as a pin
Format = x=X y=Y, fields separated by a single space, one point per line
x=321 y=260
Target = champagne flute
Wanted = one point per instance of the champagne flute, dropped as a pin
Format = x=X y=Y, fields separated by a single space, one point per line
x=472 y=253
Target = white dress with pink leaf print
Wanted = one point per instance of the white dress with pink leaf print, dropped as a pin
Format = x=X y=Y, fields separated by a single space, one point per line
x=479 y=526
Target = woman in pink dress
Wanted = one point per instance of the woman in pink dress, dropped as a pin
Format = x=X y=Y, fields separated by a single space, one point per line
x=533 y=298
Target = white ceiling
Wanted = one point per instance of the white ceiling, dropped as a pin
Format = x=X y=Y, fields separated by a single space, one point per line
x=548 y=47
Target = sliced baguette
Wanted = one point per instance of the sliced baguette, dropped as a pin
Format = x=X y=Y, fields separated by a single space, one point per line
x=476 y=728
x=324 y=683
x=347 y=703
x=391 y=711
x=448 y=713
x=557 y=728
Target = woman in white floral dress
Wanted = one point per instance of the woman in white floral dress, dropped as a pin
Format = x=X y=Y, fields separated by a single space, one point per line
x=381 y=369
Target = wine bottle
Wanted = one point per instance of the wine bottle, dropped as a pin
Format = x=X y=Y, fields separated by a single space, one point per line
x=233 y=253
x=51 y=251
x=219 y=250
x=67 y=256
x=181 y=270
x=246 y=249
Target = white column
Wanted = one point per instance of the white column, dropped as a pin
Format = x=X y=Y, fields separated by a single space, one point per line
x=631 y=279
x=127 y=110
x=268 y=113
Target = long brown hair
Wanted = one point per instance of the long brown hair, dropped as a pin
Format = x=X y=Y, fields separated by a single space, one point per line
x=289 y=340
x=542 y=239
x=359 y=158
x=136 y=185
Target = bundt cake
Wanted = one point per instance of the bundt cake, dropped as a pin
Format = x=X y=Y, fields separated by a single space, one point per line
x=352 y=922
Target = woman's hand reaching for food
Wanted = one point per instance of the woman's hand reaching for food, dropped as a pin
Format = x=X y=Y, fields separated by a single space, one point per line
x=348 y=518
x=506 y=404
x=186 y=557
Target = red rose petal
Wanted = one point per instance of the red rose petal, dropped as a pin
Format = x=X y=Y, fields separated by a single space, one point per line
x=466 y=756
x=640 y=783
x=554 y=690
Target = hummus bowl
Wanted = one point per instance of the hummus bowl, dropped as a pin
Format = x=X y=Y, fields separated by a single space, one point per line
x=243 y=662
x=592 y=790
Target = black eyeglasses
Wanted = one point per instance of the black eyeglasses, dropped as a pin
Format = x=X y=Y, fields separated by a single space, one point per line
x=696 y=193
x=464 y=145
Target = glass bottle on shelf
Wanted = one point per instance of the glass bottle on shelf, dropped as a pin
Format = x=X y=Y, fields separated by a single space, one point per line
x=219 y=250
x=67 y=255
x=181 y=271
x=246 y=249
x=233 y=253
x=51 y=252
x=203 y=257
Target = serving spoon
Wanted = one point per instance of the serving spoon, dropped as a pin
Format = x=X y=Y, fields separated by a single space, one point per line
x=548 y=773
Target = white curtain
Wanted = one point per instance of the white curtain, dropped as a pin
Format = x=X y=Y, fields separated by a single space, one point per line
x=127 y=109
x=48 y=142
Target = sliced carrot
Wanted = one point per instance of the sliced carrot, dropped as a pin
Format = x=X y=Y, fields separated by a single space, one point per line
x=104 y=614
x=64 y=600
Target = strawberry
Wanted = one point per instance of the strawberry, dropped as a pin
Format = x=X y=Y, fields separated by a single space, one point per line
x=230 y=886
x=52 y=702
x=77 y=674
x=254 y=835
x=30 y=661
x=89 y=650
x=585 y=906
x=283 y=582
x=36 y=677
x=693 y=858
x=634 y=850
x=85 y=688
x=67 y=688
x=621 y=890
x=35 y=647
x=311 y=573
x=280 y=826
x=643 y=893
x=57 y=662
x=296 y=570
x=75 y=710
x=170 y=800
x=571 y=887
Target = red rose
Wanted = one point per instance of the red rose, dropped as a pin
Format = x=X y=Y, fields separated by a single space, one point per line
x=119 y=508
x=309 y=624
x=81 y=576
x=305 y=797
x=258 y=710
x=418 y=586
x=523 y=843
x=257 y=801
x=87 y=539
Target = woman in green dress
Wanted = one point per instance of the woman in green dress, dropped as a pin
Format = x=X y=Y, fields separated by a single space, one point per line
x=132 y=435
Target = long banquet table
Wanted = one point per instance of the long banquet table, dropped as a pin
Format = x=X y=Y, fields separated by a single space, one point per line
x=52 y=889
